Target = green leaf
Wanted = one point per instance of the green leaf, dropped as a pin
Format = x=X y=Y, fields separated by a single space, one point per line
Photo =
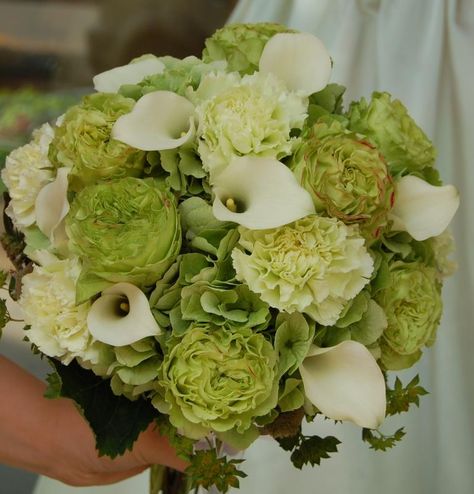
x=400 y=398
x=381 y=442
x=115 y=420
x=207 y=470
x=313 y=449
x=183 y=445
x=4 y=315
x=289 y=443
x=53 y=391
x=3 y=277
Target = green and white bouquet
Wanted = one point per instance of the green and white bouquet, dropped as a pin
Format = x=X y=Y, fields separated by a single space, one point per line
x=218 y=245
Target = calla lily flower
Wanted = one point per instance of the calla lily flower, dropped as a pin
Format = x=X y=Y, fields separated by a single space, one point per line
x=345 y=383
x=121 y=316
x=52 y=206
x=160 y=120
x=299 y=59
x=259 y=193
x=421 y=209
x=132 y=73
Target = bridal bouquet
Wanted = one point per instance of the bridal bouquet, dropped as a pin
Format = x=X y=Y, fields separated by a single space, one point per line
x=220 y=246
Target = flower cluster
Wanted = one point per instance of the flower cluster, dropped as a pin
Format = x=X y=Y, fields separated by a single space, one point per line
x=221 y=238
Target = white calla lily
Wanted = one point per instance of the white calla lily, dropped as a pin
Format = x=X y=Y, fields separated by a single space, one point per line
x=160 y=120
x=52 y=206
x=299 y=59
x=132 y=73
x=345 y=383
x=421 y=209
x=121 y=316
x=259 y=193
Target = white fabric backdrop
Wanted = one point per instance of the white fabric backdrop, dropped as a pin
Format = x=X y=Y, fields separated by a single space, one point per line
x=423 y=53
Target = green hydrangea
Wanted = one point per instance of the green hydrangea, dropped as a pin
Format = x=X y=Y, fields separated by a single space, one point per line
x=136 y=368
x=241 y=45
x=178 y=76
x=82 y=142
x=345 y=175
x=217 y=378
x=123 y=230
x=413 y=306
x=314 y=265
x=387 y=123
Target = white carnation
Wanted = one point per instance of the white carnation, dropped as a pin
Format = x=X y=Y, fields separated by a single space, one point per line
x=27 y=170
x=58 y=325
x=253 y=116
x=314 y=266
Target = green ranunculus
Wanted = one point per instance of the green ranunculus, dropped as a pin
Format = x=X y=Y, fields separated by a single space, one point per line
x=413 y=306
x=345 y=175
x=82 y=142
x=218 y=378
x=388 y=125
x=123 y=230
x=241 y=45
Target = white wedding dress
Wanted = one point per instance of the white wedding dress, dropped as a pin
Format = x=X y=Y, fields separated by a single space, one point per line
x=423 y=53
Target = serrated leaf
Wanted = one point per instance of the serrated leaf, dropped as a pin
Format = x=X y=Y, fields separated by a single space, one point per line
x=400 y=398
x=183 y=445
x=290 y=443
x=53 y=390
x=207 y=470
x=381 y=442
x=115 y=420
x=313 y=449
x=4 y=316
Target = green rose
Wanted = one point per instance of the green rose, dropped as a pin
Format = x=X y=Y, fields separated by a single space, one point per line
x=241 y=45
x=82 y=142
x=314 y=265
x=413 y=306
x=123 y=230
x=220 y=379
x=387 y=123
x=345 y=175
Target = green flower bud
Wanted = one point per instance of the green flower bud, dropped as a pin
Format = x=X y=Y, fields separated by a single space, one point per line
x=413 y=306
x=82 y=142
x=219 y=379
x=124 y=230
x=387 y=123
x=345 y=175
x=241 y=45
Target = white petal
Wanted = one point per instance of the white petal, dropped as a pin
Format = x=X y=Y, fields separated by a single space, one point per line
x=345 y=383
x=299 y=59
x=265 y=189
x=160 y=120
x=111 y=80
x=421 y=209
x=107 y=324
x=52 y=205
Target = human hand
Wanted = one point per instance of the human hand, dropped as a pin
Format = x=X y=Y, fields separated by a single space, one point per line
x=51 y=438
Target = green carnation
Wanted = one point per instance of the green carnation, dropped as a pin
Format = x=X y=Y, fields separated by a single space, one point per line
x=123 y=230
x=219 y=379
x=82 y=142
x=345 y=175
x=314 y=266
x=413 y=306
x=388 y=124
x=241 y=45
